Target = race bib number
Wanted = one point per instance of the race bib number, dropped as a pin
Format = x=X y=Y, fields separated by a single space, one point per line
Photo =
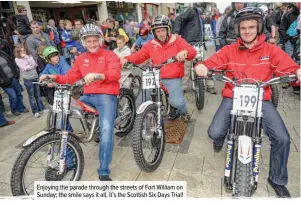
x=151 y=80
x=61 y=100
x=246 y=98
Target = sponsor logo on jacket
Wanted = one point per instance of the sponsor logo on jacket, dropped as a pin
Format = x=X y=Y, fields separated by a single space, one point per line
x=264 y=58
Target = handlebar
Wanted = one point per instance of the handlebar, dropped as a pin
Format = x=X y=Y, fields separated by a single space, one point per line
x=76 y=84
x=144 y=67
x=221 y=77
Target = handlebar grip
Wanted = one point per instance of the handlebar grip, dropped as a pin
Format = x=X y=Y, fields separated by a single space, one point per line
x=210 y=73
x=98 y=77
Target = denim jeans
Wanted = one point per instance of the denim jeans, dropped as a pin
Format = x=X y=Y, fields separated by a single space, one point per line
x=15 y=96
x=106 y=107
x=34 y=95
x=2 y=107
x=274 y=128
x=3 y=120
x=176 y=96
x=289 y=48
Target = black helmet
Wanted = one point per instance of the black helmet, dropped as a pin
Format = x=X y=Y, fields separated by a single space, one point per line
x=249 y=13
x=161 y=21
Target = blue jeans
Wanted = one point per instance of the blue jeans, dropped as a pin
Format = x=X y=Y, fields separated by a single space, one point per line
x=2 y=107
x=3 y=120
x=175 y=91
x=106 y=107
x=289 y=48
x=34 y=95
x=176 y=96
x=274 y=128
x=15 y=96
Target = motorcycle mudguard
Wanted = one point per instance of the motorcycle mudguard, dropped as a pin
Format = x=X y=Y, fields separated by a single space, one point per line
x=42 y=134
x=245 y=149
x=143 y=106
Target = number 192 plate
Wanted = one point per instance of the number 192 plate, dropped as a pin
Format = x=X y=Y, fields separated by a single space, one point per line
x=151 y=80
x=246 y=98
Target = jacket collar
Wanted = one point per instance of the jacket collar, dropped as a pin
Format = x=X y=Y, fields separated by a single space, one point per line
x=172 y=38
x=258 y=45
x=98 y=53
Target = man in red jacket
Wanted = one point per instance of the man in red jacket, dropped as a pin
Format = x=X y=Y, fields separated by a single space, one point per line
x=258 y=60
x=100 y=94
x=164 y=46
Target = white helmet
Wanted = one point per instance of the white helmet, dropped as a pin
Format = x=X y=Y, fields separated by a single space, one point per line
x=264 y=8
x=90 y=30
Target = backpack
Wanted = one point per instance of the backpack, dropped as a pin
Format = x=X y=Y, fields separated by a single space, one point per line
x=292 y=30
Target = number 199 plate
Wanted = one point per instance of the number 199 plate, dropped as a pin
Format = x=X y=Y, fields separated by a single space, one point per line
x=246 y=98
x=150 y=80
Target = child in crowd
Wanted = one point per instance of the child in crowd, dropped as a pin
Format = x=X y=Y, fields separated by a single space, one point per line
x=79 y=47
x=41 y=61
x=122 y=49
x=56 y=65
x=66 y=36
x=29 y=73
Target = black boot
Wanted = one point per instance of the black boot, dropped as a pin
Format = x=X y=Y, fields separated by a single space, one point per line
x=104 y=178
x=281 y=190
x=217 y=148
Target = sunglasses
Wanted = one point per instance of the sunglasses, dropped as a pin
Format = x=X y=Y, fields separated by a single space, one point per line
x=24 y=10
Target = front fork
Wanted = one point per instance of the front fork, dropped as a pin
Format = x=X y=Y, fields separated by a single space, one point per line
x=230 y=162
x=64 y=139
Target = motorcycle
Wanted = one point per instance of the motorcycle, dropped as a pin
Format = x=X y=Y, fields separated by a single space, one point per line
x=198 y=86
x=242 y=168
x=148 y=132
x=126 y=111
x=130 y=81
x=50 y=148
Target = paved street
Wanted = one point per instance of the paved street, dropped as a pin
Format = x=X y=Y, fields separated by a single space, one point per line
x=193 y=161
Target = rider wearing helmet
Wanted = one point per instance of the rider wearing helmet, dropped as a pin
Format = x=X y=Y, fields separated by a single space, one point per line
x=258 y=60
x=101 y=94
x=164 y=46
x=56 y=63
x=144 y=37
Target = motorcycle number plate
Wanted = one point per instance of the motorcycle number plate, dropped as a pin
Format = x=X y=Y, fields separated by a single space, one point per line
x=60 y=98
x=246 y=98
x=151 y=79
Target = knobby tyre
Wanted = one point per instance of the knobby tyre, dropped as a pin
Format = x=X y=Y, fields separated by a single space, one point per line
x=159 y=144
x=17 y=174
x=200 y=94
x=136 y=86
x=127 y=93
x=243 y=180
x=275 y=95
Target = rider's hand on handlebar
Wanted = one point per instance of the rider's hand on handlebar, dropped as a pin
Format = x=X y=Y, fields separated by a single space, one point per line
x=89 y=78
x=46 y=77
x=182 y=55
x=201 y=70
x=123 y=61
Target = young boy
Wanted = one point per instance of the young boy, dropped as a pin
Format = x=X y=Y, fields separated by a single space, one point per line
x=56 y=65
x=122 y=50
x=67 y=38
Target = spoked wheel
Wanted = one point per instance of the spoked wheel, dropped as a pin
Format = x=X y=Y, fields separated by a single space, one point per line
x=136 y=86
x=148 y=142
x=126 y=112
x=200 y=94
x=32 y=164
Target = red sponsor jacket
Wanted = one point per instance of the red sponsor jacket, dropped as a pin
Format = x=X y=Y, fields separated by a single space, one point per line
x=159 y=53
x=103 y=61
x=259 y=63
